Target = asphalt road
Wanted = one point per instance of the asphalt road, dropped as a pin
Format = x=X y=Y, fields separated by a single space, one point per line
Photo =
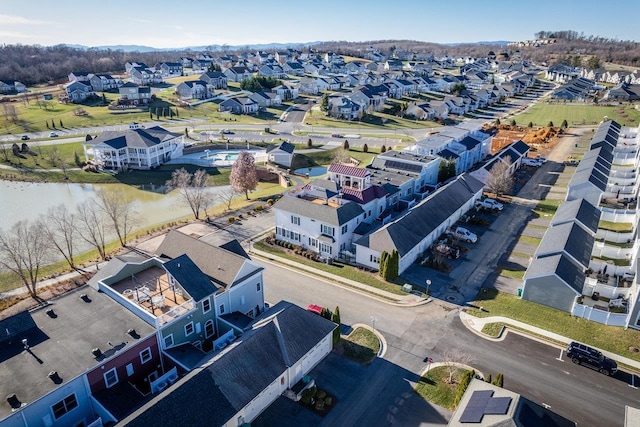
x=384 y=398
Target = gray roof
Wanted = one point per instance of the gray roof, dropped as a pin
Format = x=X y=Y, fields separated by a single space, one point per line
x=470 y=142
x=190 y=277
x=63 y=343
x=221 y=265
x=211 y=395
x=520 y=147
x=570 y=238
x=578 y=210
x=560 y=266
x=324 y=213
x=408 y=231
x=284 y=146
x=137 y=138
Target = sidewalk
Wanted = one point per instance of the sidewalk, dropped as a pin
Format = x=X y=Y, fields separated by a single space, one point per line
x=475 y=324
x=408 y=300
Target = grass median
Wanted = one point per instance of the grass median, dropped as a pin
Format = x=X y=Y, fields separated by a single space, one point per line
x=610 y=338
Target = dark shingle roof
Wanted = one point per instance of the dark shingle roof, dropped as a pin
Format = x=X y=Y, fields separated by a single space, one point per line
x=221 y=265
x=348 y=170
x=570 y=238
x=559 y=265
x=469 y=142
x=140 y=138
x=216 y=392
x=408 y=231
x=324 y=213
x=190 y=277
x=578 y=210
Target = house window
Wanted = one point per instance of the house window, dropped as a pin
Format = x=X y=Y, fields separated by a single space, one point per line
x=65 y=405
x=168 y=341
x=129 y=369
x=325 y=229
x=188 y=329
x=374 y=259
x=313 y=242
x=325 y=248
x=258 y=287
x=111 y=377
x=145 y=355
x=221 y=309
x=206 y=306
x=345 y=228
x=295 y=220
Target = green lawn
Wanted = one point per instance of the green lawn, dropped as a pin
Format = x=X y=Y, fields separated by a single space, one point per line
x=620 y=227
x=541 y=113
x=614 y=339
x=432 y=387
x=513 y=274
x=531 y=240
x=547 y=208
x=361 y=346
x=342 y=270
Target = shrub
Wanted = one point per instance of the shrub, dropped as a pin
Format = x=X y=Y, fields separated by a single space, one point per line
x=232 y=219
x=321 y=394
x=462 y=387
x=259 y=208
x=328 y=401
x=498 y=380
x=319 y=405
x=270 y=202
x=307 y=395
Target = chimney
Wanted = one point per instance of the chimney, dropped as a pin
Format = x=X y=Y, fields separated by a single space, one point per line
x=178 y=265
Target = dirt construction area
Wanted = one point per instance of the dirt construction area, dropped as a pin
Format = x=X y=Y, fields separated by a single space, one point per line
x=541 y=139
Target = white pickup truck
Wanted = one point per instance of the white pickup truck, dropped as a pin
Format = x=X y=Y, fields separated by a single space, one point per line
x=463 y=234
x=489 y=204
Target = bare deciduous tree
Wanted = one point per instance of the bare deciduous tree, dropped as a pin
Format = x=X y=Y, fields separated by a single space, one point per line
x=53 y=156
x=500 y=179
x=92 y=226
x=23 y=250
x=192 y=189
x=453 y=359
x=226 y=197
x=119 y=208
x=59 y=227
x=341 y=155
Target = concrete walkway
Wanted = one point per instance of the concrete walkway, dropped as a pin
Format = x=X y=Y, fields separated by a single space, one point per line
x=475 y=324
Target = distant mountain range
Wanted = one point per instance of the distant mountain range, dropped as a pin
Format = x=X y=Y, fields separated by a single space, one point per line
x=217 y=47
x=211 y=48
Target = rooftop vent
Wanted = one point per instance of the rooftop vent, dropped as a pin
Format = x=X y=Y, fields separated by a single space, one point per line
x=53 y=376
x=132 y=332
x=85 y=298
x=96 y=352
x=51 y=313
x=13 y=401
x=178 y=265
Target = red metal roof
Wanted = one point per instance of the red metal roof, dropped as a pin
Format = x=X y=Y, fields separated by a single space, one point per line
x=348 y=170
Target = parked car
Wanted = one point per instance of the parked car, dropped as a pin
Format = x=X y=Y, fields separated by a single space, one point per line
x=463 y=234
x=53 y=135
x=226 y=131
x=528 y=161
x=315 y=309
x=541 y=159
x=592 y=358
x=489 y=204
x=24 y=137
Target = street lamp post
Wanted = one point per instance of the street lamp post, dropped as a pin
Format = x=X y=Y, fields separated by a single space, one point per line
x=373 y=323
x=428 y=284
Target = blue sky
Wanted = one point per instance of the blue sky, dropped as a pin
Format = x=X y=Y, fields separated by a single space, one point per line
x=207 y=22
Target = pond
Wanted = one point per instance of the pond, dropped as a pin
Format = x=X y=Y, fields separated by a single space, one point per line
x=311 y=172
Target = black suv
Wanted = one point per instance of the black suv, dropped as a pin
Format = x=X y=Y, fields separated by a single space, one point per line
x=580 y=353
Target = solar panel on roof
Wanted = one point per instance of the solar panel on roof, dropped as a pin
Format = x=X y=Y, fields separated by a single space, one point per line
x=497 y=406
x=394 y=164
x=474 y=411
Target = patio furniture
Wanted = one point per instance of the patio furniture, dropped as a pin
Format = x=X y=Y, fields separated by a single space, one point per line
x=158 y=301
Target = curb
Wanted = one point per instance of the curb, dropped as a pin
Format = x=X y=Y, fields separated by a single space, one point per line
x=383 y=341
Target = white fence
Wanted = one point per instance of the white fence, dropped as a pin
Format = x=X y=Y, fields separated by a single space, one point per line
x=600 y=316
x=612 y=236
x=615 y=252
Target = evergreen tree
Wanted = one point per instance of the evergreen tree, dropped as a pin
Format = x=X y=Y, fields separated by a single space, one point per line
x=513 y=122
x=325 y=313
x=383 y=149
x=488 y=379
x=76 y=159
x=61 y=125
x=462 y=387
x=446 y=169
x=309 y=143
x=384 y=261
x=497 y=122
x=365 y=148
x=550 y=124
x=186 y=132
x=335 y=318
x=346 y=145
x=498 y=380
x=530 y=125
x=324 y=103
x=394 y=266
x=564 y=124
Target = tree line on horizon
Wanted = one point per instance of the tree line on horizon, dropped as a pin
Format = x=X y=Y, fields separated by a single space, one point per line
x=34 y=64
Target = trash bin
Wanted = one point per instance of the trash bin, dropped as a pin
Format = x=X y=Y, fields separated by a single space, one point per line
x=519 y=292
